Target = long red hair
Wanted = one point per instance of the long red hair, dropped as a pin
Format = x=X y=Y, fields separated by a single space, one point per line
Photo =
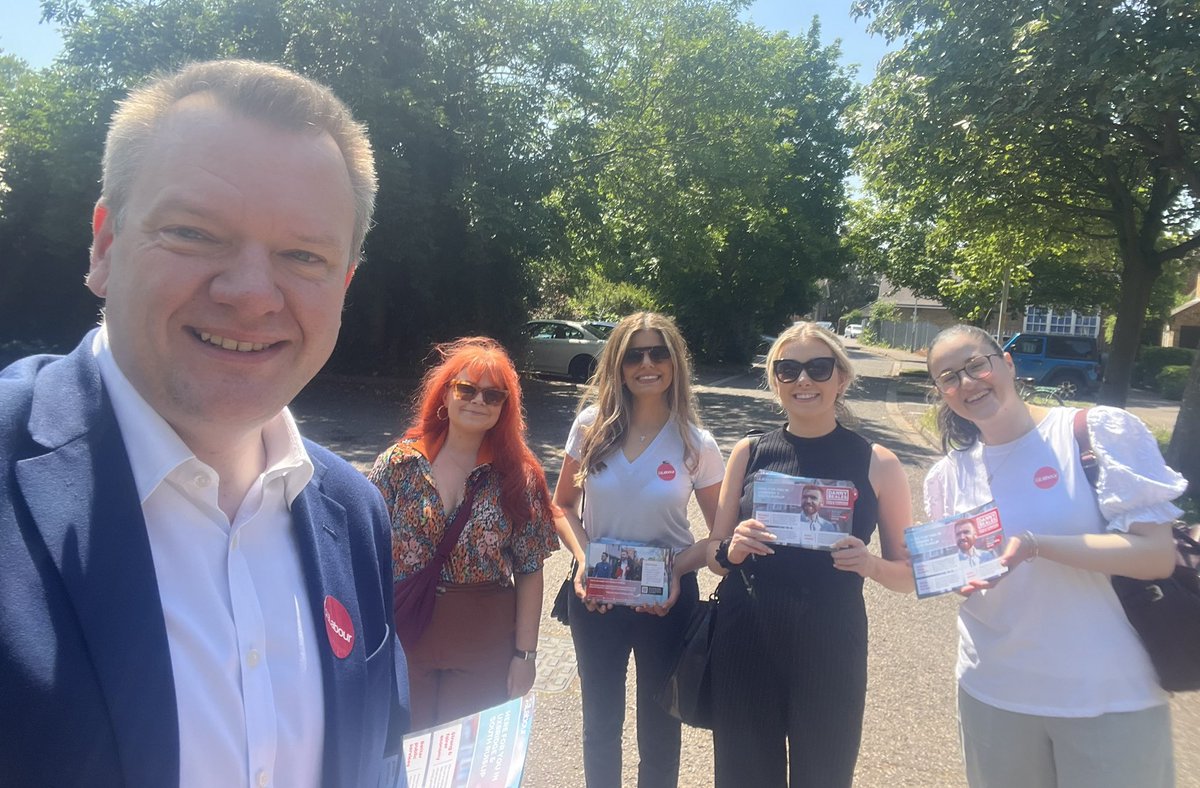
x=522 y=480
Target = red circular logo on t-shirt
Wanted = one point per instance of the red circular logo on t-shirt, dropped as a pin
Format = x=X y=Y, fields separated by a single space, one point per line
x=339 y=628
x=1045 y=477
x=666 y=471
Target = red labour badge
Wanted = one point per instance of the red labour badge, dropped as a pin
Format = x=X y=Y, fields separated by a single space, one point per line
x=666 y=471
x=339 y=628
x=1045 y=477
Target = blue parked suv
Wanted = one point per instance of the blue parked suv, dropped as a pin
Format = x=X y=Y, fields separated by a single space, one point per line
x=1070 y=363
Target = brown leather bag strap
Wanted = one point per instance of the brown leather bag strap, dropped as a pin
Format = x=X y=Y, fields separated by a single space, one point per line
x=1087 y=456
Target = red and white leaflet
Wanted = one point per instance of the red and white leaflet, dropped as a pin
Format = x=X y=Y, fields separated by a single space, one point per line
x=802 y=511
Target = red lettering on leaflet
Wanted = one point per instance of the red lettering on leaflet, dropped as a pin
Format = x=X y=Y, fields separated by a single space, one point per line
x=339 y=628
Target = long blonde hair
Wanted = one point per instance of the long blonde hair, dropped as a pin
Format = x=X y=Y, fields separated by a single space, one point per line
x=613 y=401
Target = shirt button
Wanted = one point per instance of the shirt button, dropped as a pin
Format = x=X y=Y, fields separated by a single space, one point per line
x=202 y=480
x=233 y=543
x=262 y=778
x=252 y=657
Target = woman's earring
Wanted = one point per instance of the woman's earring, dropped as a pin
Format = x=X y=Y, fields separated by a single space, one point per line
x=441 y=413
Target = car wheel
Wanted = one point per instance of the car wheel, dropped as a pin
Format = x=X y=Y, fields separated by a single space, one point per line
x=582 y=368
x=1067 y=383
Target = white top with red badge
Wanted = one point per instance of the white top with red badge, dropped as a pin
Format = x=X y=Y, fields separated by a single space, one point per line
x=646 y=500
x=1049 y=639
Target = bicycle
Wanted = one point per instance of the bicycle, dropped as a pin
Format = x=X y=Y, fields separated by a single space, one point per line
x=1046 y=396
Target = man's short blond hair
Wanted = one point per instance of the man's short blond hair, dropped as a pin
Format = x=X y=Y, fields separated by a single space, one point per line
x=259 y=91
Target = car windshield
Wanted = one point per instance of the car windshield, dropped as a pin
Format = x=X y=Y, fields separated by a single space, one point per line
x=601 y=330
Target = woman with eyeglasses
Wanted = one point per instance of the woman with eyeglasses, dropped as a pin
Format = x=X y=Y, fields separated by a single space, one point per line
x=789 y=649
x=467 y=440
x=1054 y=688
x=635 y=456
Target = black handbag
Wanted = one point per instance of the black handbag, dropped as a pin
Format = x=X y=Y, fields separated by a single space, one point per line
x=687 y=693
x=1165 y=613
x=559 y=611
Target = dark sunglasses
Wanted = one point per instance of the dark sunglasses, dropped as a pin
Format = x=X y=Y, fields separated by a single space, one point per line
x=657 y=353
x=787 y=370
x=466 y=392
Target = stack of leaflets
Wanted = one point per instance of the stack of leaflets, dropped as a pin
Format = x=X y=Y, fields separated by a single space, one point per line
x=484 y=750
x=948 y=553
x=804 y=512
x=626 y=573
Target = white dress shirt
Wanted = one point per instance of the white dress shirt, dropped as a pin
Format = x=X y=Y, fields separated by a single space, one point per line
x=244 y=648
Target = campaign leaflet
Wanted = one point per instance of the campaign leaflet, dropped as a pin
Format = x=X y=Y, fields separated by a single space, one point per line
x=627 y=573
x=949 y=552
x=484 y=750
x=804 y=512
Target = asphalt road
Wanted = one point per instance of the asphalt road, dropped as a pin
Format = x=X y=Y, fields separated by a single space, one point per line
x=909 y=733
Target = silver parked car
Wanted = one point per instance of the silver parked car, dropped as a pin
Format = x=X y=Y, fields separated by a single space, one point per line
x=564 y=347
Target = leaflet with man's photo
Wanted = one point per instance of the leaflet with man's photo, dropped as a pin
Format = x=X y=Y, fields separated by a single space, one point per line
x=482 y=750
x=804 y=512
x=628 y=573
x=948 y=553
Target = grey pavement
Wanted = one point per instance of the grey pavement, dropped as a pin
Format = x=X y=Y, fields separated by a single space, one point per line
x=909 y=731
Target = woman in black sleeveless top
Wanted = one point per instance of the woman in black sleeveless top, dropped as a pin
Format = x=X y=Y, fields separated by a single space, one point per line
x=789 y=653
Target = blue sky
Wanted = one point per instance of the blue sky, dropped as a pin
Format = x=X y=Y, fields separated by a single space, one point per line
x=21 y=34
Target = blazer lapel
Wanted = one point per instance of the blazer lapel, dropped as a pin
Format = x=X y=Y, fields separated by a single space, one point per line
x=83 y=499
x=320 y=524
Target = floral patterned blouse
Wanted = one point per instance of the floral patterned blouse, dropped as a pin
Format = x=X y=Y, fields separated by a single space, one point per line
x=491 y=547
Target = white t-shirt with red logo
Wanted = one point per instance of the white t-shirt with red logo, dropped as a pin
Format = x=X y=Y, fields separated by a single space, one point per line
x=646 y=500
x=1050 y=639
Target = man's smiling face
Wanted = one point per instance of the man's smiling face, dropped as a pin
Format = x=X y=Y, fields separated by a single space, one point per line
x=224 y=276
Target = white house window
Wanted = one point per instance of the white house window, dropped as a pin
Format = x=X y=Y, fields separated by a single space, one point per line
x=1040 y=320
x=1035 y=320
x=1061 y=323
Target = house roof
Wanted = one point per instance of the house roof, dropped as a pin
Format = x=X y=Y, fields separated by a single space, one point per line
x=903 y=297
x=1189 y=305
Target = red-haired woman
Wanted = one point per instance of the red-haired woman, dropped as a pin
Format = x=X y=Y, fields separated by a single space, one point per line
x=468 y=434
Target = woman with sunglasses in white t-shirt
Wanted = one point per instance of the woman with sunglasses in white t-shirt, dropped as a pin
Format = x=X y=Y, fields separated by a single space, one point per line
x=635 y=457
x=789 y=650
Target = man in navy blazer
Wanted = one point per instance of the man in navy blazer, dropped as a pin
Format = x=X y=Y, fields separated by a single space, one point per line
x=190 y=593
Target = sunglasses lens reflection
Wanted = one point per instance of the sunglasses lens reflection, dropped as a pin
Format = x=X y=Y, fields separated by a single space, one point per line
x=467 y=392
x=819 y=369
x=657 y=353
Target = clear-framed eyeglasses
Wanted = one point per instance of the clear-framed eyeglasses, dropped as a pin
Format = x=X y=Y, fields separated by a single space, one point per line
x=976 y=368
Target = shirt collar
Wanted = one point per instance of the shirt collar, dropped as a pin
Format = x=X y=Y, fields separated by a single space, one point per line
x=155 y=449
x=430 y=447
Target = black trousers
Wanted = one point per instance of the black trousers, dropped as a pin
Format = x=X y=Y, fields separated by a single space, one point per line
x=602 y=646
x=789 y=669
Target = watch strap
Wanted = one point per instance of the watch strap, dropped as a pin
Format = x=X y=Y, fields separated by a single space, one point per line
x=525 y=655
x=722 y=556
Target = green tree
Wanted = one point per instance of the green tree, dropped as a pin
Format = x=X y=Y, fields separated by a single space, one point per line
x=711 y=173
x=1046 y=127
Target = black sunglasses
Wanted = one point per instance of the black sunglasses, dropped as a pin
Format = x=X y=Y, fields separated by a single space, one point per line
x=787 y=370
x=466 y=392
x=657 y=353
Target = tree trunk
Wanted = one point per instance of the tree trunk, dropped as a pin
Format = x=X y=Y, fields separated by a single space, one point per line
x=1137 y=280
x=1184 y=452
